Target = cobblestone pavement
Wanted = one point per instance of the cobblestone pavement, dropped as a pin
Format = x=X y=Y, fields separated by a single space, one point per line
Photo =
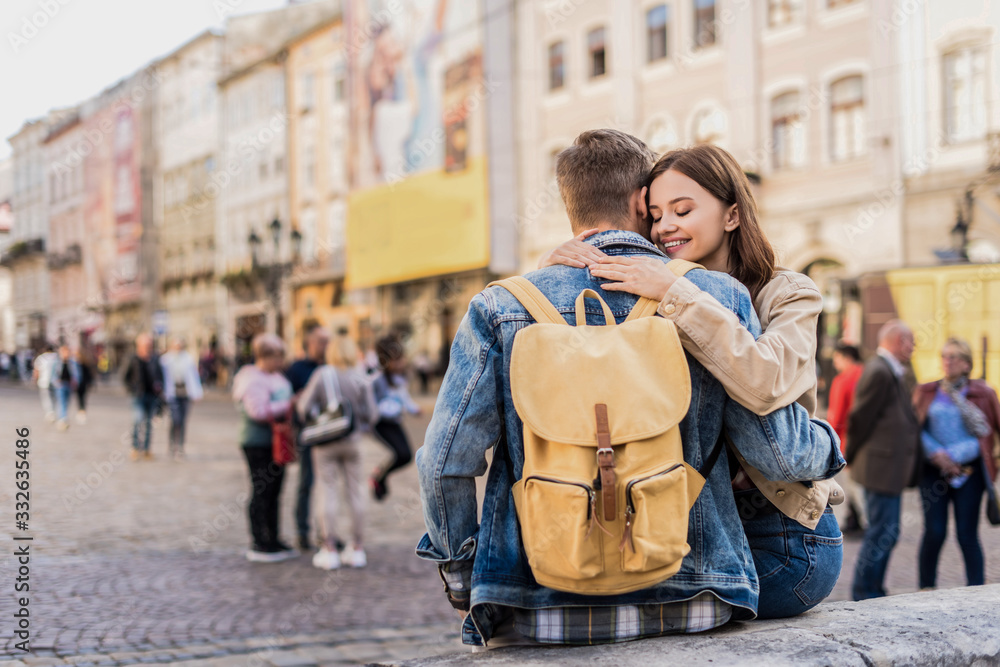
x=142 y=562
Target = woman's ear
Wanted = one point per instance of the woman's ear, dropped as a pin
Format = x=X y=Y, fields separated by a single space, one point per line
x=732 y=219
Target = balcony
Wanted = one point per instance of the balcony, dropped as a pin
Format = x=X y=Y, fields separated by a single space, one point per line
x=22 y=250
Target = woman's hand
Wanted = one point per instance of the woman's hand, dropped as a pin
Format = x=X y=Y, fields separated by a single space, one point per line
x=643 y=276
x=573 y=253
x=948 y=467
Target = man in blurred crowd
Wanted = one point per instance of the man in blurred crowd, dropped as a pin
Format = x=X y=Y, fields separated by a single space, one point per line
x=314 y=342
x=883 y=452
x=42 y=374
x=144 y=381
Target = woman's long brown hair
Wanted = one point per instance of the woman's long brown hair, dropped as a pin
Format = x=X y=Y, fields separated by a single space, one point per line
x=751 y=257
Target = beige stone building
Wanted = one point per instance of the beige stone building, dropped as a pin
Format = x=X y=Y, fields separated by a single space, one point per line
x=64 y=170
x=864 y=122
x=6 y=285
x=191 y=179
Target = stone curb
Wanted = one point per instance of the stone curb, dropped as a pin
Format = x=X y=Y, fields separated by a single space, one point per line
x=951 y=627
x=345 y=647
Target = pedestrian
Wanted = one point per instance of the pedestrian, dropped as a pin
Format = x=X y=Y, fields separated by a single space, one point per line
x=702 y=210
x=144 y=381
x=64 y=378
x=883 y=452
x=960 y=420
x=423 y=367
x=87 y=377
x=393 y=399
x=481 y=554
x=340 y=459
x=41 y=372
x=181 y=386
x=4 y=365
x=314 y=343
x=847 y=362
x=263 y=395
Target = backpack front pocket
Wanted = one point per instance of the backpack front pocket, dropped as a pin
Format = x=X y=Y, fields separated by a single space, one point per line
x=555 y=519
x=656 y=520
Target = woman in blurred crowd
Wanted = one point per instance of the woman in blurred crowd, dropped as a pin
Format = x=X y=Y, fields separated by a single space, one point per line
x=340 y=458
x=181 y=385
x=960 y=419
x=65 y=377
x=263 y=395
x=393 y=399
x=87 y=375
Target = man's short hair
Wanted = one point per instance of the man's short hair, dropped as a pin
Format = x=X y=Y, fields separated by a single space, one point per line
x=598 y=173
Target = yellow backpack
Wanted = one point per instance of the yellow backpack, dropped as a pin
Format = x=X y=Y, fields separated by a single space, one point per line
x=605 y=493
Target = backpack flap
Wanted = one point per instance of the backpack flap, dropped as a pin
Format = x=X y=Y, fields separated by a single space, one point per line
x=559 y=373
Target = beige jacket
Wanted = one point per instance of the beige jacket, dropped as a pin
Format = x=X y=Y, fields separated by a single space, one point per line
x=774 y=371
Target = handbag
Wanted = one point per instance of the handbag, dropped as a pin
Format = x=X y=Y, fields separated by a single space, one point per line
x=282 y=440
x=992 y=500
x=335 y=421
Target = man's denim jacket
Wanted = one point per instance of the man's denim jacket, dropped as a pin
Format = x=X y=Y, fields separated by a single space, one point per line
x=475 y=413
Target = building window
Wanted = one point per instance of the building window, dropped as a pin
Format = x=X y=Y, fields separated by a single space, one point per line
x=557 y=65
x=710 y=127
x=339 y=82
x=781 y=13
x=704 y=23
x=657 y=20
x=788 y=132
x=847 y=118
x=597 y=53
x=965 y=94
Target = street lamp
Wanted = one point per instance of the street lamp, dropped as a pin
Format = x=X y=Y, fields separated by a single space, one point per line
x=276 y=233
x=254 y=242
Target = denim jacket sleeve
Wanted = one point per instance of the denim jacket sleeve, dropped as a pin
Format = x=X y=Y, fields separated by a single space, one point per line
x=785 y=444
x=467 y=422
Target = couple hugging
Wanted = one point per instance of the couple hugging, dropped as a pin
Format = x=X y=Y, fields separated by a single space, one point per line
x=763 y=540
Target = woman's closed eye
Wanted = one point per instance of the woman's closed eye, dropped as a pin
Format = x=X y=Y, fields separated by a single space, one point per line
x=681 y=214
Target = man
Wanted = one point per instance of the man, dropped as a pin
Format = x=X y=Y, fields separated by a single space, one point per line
x=847 y=362
x=64 y=377
x=144 y=382
x=314 y=343
x=41 y=372
x=484 y=566
x=883 y=451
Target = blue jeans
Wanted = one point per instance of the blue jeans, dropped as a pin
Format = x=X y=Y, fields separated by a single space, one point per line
x=62 y=401
x=797 y=567
x=880 y=539
x=304 y=490
x=143 y=409
x=178 y=422
x=935 y=496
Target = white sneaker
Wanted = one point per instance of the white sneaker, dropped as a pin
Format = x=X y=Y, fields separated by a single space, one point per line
x=356 y=557
x=326 y=560
x=255 y=556
x=50 y=417
x=62 y=425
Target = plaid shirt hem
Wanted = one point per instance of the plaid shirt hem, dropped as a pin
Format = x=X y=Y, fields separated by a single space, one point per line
x=602 y=625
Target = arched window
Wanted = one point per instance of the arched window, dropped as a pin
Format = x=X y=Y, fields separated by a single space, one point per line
x=788 y=132
x=847 y=119
x=662 y=136
x=710 y=126
x=965 y=94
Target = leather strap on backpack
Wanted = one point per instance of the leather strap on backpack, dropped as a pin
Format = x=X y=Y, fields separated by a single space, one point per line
x=532 y=299
x=679 y=267
x=605 y=462
x=646 y=307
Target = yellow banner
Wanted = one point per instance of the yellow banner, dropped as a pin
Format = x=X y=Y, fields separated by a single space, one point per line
x=425 y=225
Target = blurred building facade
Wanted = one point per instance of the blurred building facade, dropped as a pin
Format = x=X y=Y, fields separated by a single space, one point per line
x=191 y=177
x=7 y=328
x=64 y=253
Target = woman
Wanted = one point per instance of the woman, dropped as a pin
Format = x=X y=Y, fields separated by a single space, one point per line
x=64 y=379
x=960 y=419
x=342 y=458
x=702 y=210
x=86 y=365
x=181 y=385
x=263 y=395
x=393 y=399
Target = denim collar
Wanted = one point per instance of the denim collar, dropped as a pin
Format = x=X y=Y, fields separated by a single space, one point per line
x=621 y=237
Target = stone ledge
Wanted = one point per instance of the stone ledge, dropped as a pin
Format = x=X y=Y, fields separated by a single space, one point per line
x=950 y=627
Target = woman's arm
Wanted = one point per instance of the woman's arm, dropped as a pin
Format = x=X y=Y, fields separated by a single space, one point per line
x=762 y=375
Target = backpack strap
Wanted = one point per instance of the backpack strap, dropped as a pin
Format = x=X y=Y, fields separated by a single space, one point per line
x=647 y=307
x=681 y=266
x=532 y=299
